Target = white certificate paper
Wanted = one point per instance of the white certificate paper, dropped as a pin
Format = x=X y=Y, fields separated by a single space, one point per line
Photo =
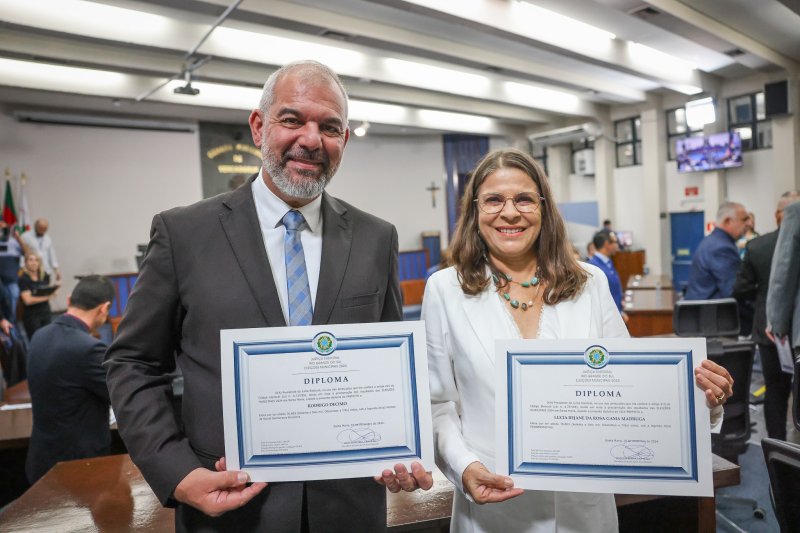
x=325 y=402
x=603 y=415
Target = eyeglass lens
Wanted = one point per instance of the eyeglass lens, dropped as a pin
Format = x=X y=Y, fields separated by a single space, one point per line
x=494 y=203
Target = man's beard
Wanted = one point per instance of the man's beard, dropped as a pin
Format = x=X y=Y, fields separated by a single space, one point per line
x=301 y=183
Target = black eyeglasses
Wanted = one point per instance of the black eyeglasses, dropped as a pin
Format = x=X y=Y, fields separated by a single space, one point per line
x=525 y=202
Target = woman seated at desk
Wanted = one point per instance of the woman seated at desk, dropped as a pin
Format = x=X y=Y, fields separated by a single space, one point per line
x=513 y=276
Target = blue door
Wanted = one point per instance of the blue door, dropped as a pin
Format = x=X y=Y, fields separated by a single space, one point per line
x=687 y=232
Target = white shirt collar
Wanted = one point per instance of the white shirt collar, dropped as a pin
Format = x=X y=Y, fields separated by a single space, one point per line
x=601 y=256
x=274 y=209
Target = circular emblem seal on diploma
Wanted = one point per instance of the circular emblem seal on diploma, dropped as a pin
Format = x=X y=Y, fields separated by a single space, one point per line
x=324 y=343
x=596 y=356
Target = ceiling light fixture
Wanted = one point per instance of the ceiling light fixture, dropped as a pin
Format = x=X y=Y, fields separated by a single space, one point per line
x=700 y=112
x=361 y=130
x=278 y=50
x=559 y=29
x=436 y=78
x=648 y=58
x=532 y=96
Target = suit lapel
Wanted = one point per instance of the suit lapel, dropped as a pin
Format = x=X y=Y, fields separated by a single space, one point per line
x=337 y=240
x=240 y=223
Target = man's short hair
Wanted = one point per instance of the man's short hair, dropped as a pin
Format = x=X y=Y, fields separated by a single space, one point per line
x=92 y=291
x=607 y=222
x=727 y=210
x=312 y=69
x=601 y=238
x=787 y=198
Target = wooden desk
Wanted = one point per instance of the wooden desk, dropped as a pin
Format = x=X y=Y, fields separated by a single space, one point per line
x=15 y=428
x=18 y=393
x=109 y=494
x=628 y=263
x=650 y=312
x=649 y=282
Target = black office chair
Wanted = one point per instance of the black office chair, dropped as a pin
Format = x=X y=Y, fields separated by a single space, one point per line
x=783 y=465
x=715 y=319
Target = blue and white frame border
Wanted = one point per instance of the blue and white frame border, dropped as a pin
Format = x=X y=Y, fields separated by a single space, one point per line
x=689 y=454
x=244 y=351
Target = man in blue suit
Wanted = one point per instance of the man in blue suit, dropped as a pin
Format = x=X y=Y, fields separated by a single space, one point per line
x=607 y=245
x=716 y=260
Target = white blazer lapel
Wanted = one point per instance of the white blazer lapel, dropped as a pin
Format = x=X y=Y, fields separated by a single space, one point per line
x=575 y=318
x=483 y=313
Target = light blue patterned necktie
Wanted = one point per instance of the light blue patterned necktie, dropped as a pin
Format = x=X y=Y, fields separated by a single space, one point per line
x=300 y=311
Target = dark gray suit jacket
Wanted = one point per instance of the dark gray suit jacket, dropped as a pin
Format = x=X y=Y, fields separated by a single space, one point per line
x=783 y=298
x=752 y=281
x=206 y=269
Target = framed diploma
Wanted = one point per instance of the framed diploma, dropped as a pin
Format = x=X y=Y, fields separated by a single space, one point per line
x=603 y=415
x=325 y=402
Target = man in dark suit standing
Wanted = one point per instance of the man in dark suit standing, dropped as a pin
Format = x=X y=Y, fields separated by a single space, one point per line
x=274 y=252
x=752 y=282
x=716 y=259
x=68 y=383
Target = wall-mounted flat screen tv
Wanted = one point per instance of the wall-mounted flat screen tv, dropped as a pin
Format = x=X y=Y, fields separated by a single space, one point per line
x=711 y=152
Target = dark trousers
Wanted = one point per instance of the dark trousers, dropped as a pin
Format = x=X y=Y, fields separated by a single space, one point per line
x=34 y=321
x=776 y=398
x=327 y=506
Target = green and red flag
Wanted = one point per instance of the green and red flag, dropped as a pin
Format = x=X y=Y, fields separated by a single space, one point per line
x=9 y=212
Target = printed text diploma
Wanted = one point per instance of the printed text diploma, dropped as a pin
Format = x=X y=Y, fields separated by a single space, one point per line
x=325 y=402
x=603 y=415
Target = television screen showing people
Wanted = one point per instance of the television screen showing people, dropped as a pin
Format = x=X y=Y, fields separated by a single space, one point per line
x=712 y=152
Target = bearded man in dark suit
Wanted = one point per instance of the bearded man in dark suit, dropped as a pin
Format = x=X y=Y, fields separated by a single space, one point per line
x=232 y=262
x=752 y=283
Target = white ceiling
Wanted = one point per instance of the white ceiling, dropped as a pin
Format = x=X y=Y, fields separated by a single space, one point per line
x=500 y=65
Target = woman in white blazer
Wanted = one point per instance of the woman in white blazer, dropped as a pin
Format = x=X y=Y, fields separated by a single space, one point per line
x=513 y=276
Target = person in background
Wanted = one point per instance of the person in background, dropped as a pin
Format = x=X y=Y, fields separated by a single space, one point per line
x=513 y=277
x=608 y=229
x=716 y=259
x=39 y=241
x=36 y=307
x=67 y=382
x=12 y=250
x=752 y=283
x=607 y=246
x=750 y=233
x=14 y=359
x=783 y=296
x=590 y=250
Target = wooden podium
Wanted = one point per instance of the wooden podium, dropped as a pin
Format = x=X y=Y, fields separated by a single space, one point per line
x=628 y=263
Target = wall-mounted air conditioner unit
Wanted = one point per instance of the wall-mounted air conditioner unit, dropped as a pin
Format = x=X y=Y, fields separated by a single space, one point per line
x=587 y=130
x=583 y=162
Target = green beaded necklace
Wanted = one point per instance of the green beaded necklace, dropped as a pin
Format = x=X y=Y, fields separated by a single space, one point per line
x=533 y=282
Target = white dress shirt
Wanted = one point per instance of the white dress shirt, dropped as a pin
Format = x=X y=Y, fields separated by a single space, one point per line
x=271 y=210
x=44 y=247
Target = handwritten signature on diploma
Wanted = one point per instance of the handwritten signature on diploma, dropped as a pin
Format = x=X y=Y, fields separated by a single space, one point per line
x=632 y=451
x=358 y=435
